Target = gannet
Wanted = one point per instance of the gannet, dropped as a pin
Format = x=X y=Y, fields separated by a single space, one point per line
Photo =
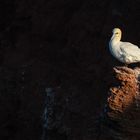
x=125 y=52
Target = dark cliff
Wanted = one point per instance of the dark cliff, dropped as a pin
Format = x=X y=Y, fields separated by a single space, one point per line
x=63 y=45
x=120 y=119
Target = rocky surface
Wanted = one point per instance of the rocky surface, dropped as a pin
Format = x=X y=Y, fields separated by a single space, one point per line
x=118 y=120
x=121 y=119
x=63 y=45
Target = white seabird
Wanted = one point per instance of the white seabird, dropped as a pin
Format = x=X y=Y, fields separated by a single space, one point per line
x=125 y=52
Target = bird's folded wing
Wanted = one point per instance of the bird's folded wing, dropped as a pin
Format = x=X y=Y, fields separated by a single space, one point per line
x=130 y=49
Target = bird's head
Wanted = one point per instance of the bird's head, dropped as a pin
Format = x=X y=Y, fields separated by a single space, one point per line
x=116 y=34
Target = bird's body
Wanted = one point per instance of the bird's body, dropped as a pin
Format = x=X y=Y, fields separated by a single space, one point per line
x=125 y=52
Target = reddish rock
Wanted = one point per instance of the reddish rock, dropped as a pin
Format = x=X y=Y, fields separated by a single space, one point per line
x=123 y=106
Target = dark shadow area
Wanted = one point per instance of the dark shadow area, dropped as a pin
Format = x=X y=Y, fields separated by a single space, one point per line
x=61 y=44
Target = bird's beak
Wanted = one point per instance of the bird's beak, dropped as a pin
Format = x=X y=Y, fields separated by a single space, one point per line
x=112 y=36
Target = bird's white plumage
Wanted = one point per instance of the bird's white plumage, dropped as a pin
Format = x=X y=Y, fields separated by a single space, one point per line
x=125 y=52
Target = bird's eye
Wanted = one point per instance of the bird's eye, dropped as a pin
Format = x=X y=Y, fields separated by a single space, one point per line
x=116 y=33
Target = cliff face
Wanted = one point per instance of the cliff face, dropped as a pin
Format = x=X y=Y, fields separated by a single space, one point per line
x=60 y=45
x=121 y=119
